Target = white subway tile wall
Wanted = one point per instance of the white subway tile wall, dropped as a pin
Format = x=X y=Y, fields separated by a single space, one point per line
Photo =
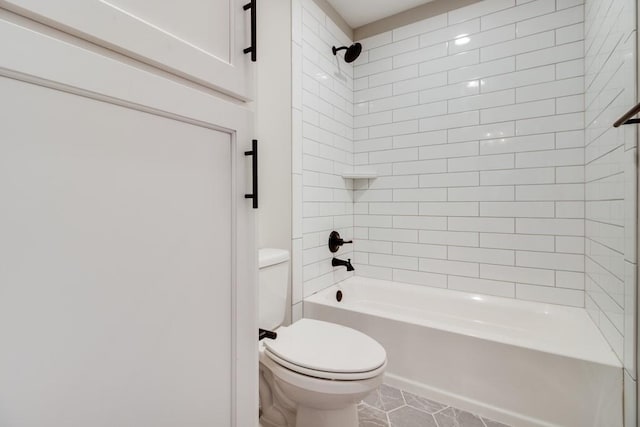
x=490 y=130
x=323 y=123
x=474 y=121
x=610 y=173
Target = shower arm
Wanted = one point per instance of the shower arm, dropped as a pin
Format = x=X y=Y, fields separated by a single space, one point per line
x=336 y=49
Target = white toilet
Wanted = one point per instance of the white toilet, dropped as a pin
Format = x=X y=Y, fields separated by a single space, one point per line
x=314 y=373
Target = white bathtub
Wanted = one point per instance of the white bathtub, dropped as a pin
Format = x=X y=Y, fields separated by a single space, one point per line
x=519 y=362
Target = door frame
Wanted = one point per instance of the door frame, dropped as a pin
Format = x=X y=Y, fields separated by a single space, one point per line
x=634 y=400
x=47 y=57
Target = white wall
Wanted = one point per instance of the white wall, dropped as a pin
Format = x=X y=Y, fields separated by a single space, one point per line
x=610 y=175
x=273 y=125
x=474 y=122
x=610 y=226
x=322 y=148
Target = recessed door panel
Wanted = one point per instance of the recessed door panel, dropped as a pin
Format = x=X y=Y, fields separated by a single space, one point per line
x=202 y=40
x=116 y=283
x=201 y=23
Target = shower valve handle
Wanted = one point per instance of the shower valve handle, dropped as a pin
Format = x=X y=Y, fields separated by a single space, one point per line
x=335 y=241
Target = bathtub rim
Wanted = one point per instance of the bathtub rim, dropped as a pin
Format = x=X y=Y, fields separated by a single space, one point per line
x=606 y=356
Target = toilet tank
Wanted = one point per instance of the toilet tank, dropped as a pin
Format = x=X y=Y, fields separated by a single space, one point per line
x=273 y=287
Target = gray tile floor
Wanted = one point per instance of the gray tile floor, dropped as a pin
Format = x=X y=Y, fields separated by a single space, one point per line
x=391 y=407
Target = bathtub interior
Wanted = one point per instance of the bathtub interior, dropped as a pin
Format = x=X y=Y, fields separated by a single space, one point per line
x=562 y=330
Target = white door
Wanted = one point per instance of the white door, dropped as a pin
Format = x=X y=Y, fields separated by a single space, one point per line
x=127 y=269
x=202 y=40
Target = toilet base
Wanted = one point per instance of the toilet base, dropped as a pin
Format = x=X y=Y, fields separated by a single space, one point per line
x=311 y=417
x=288 y=399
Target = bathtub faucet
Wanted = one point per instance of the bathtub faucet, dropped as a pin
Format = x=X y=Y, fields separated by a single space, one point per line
x=338 y=262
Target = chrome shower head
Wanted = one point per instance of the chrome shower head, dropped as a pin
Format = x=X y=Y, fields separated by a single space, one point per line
x=352 y=52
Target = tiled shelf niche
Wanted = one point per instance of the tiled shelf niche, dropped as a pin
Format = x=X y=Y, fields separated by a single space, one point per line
x=360 y=174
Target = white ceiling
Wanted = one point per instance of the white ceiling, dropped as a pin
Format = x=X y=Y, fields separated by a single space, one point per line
x=361 y=12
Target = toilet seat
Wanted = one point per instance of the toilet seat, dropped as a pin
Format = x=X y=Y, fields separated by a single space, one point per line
x=327 y=351
x=323 y=375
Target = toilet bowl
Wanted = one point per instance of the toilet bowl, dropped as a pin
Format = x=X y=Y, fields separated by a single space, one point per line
x=314 y=373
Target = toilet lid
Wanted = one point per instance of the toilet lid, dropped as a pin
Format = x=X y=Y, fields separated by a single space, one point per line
x=326 y=347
